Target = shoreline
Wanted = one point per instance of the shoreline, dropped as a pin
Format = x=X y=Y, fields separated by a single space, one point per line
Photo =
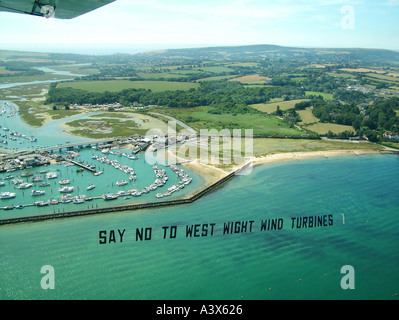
x=214 y=179
x=210 y=173
x=303 y=155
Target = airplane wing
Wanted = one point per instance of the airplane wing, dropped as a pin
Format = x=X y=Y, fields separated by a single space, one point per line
x=60 y=9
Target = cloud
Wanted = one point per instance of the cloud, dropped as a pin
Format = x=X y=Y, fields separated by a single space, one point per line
x=299 y=22
x=392 y=3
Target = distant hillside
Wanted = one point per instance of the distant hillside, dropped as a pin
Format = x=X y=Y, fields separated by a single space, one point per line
x=279 y=52
x=221 y=53
x=43 y=57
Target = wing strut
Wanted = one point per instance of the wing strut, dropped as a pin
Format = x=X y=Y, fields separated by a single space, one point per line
x=39 y=9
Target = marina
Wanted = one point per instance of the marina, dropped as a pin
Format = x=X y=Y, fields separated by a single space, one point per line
x=86 y=175
x=67 y=184
x=116 y=208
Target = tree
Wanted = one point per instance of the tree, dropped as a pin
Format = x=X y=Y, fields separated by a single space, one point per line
x=278 y=111
x=371 y=135
x=356 y=124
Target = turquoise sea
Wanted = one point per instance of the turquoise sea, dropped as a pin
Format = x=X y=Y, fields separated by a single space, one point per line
x=285 y=263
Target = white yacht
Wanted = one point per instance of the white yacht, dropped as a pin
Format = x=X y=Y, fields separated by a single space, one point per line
x=37 y=192
x=65 y=189
x=109 y=197
x=121 y=183
x=79 y=199
x=51 y=175
x=36 y=179
x=25 y=185
x=7 y=195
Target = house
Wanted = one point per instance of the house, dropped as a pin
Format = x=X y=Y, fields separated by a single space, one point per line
x=391 y=136
x=27 y=161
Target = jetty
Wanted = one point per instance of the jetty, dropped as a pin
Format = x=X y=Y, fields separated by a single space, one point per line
x=82 y=165
x=80 y=145
x=100 y=144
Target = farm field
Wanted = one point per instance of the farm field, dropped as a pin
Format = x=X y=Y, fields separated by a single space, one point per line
x=118 y=85
x=362 y=70
x=326 y=96
x=307 y=116
x=382 y=77
x=323 y=128
x=215 y=78
x=199 y=118
x=161 y=75
x=255 y=78
x=272 y=107
x=4 y=71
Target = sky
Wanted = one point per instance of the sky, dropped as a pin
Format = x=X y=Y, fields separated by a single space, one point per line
x=123 y=24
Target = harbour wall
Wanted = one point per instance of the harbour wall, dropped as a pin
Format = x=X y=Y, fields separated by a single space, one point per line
x=127 y=207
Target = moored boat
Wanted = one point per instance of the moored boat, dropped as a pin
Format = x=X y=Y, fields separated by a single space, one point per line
x=121 y=183
x=109 y=196
x=79 y=199
x=7 y=195
x=51 y=175
x=44 y=184
x=37 y=192
x=25 y=185
x=41 y=203
x=65 y=189
x=36 y=178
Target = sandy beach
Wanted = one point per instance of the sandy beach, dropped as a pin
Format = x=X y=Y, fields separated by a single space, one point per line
x=211 y=174
x=294 y=156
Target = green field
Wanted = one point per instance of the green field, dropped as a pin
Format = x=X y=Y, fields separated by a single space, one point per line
x=118 y=85
x=310 y=122
x=307 y=116
x=262 y=146
x=4 y=71
x=242 y=64
x=341 y=75
x=326 y=96
x=382 y=77
x=272 y=107
x=199 y=118
x=323 y=128
x=159 y=75
x=216 y=78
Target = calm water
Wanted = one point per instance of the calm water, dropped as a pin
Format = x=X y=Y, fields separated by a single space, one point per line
x=47 y=136
x=50 y=135
x=105 y=183
x=281 y=264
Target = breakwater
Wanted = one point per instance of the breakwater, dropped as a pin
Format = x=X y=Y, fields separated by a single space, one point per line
x=127 y=207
